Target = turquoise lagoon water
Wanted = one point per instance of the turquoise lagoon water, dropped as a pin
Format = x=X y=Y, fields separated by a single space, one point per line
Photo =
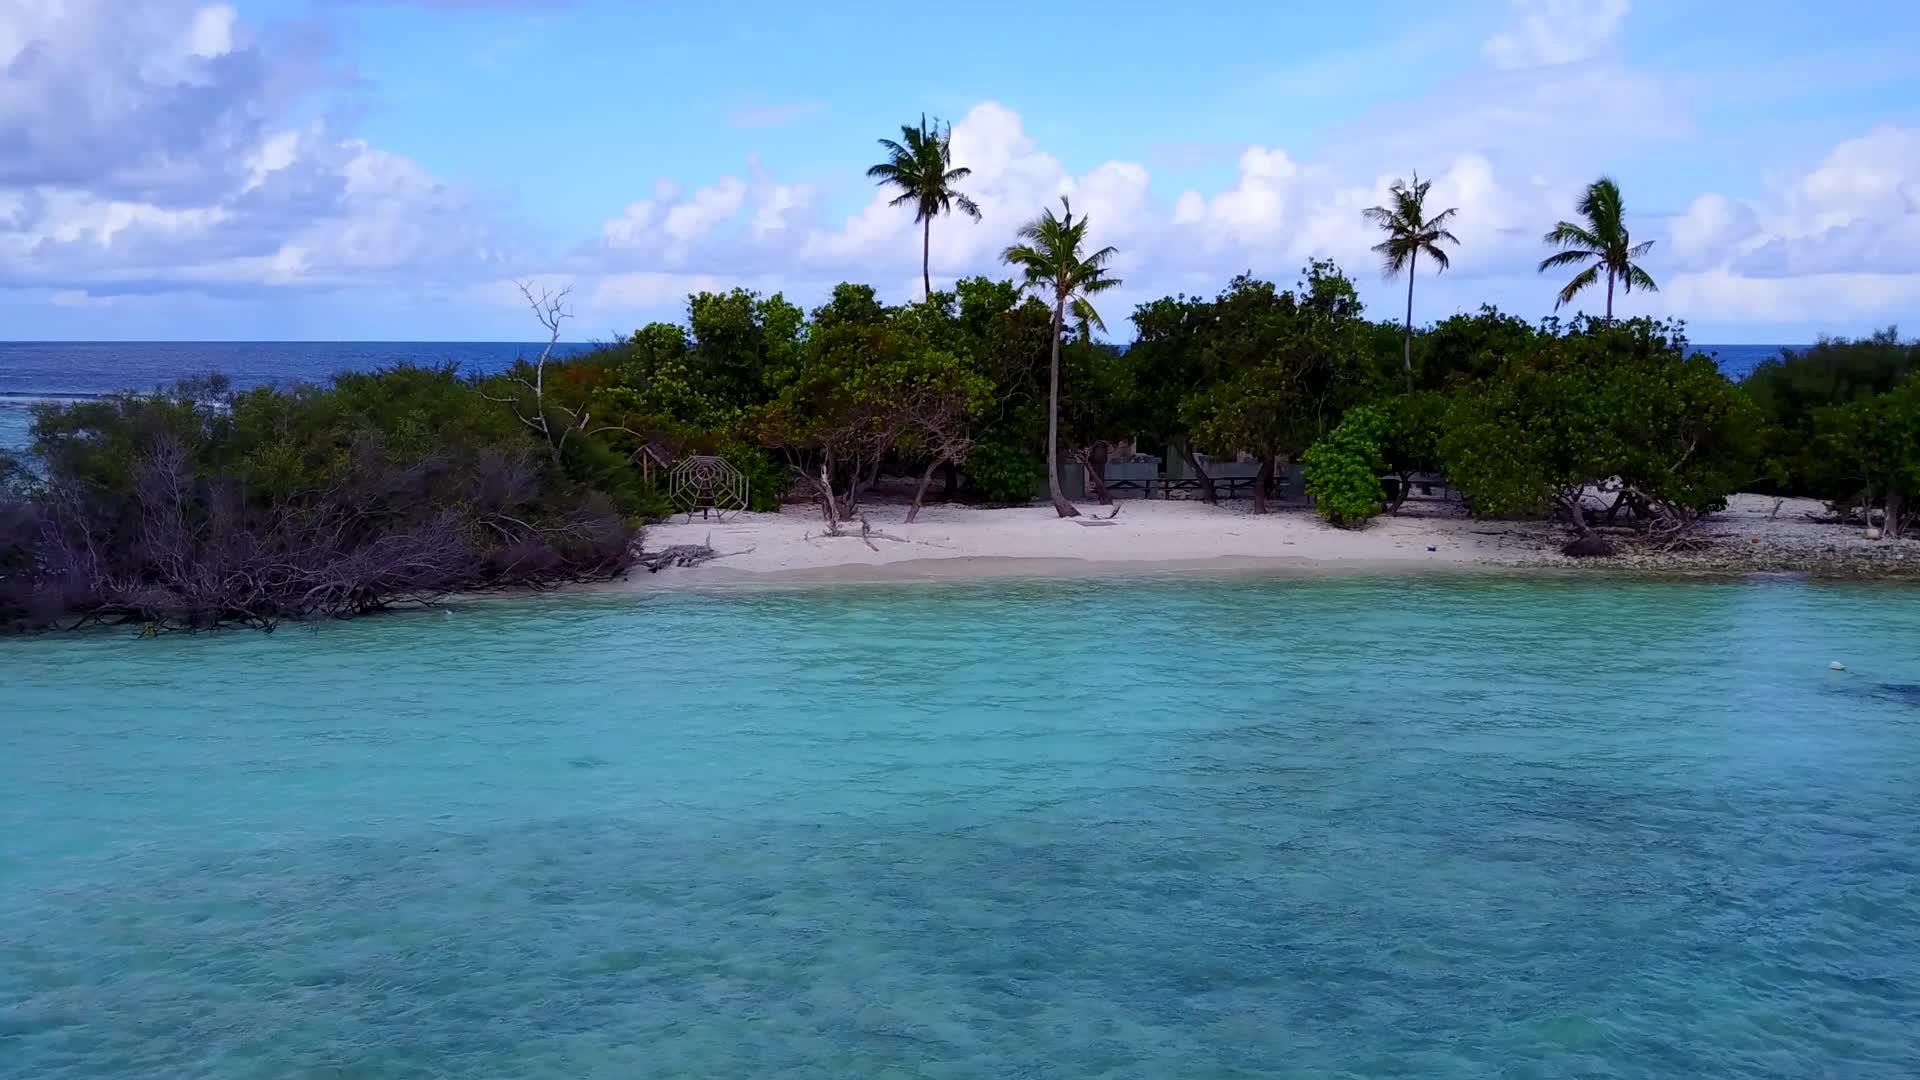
x=1430 y=828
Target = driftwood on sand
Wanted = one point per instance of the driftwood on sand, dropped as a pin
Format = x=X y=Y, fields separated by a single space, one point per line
x=683 y=555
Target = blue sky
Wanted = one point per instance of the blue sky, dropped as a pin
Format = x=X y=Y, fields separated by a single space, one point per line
x=388 y=168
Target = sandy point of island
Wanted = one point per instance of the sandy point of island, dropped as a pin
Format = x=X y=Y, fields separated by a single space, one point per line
x=1166 y=538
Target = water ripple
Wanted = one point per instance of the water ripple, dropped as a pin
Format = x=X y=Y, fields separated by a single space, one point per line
x=1418 y=829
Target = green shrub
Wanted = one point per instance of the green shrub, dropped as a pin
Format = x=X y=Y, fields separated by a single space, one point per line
x=1343 y=469
x=767 y=479
x=1004 y=474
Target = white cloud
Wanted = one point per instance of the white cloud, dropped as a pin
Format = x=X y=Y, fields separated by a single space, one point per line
x=211 y=33
x=1554 y=32
x=1013 y=181
x=1854 y=214
x=652 y=289
x=154 y=148
x=1814 y=298
x=708 y=207
x=1281 y=210
x=143 y=155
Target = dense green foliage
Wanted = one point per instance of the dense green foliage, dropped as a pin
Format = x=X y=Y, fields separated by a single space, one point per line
x=1874 y=445
x=1795 y=393
x=1608 y=407
x=1005 y=475
x=1281 y=368
x=1343 y=469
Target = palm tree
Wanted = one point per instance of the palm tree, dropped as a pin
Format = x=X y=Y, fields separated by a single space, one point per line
x=1051 y=259
x=921 y=166
x=1603 y=239
x=1410 y=232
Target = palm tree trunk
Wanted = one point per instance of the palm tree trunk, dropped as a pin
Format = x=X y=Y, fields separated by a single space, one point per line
x=1060 y=504
x=1609 y=296
x=1411 y=264
x=926 y=254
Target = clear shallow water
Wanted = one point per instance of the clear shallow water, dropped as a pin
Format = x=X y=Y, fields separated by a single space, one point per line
x=1181 y=829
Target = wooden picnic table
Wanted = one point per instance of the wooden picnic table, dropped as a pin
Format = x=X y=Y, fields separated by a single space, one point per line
x=1192 y=487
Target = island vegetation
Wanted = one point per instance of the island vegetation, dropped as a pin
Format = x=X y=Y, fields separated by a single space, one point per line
x=205 y=505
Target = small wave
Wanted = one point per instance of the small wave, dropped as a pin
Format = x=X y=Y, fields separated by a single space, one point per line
x=26 y=399
x=16 y=399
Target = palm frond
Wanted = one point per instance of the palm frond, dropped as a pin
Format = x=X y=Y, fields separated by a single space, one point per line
x=967 y=206
x=1442 y=234
x=1566 y=234
x=1566 y=258
x=1393 y=253
x=1099 y=258
x=1580 y=281
x=1083 y=311
x=1640 y=279
x=1438 y=256
x=1639 y=249
x=1439 y=220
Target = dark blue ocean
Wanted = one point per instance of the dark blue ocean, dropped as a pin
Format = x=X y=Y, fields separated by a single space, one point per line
x=38 y=371
x=32 y=371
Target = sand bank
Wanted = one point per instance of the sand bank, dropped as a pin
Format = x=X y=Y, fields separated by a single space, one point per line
x=1182 y=537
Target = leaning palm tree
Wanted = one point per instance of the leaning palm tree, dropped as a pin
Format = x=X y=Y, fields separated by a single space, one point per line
x=1603 y=241
x=1050 y=257
x=1410 y=232
x=921 y=166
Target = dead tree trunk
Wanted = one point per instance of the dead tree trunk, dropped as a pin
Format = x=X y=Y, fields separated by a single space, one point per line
x=1261 y=482
x=1576 y=513
x=828 y=504
x=1095 y=461
x=1400 y=496
x=858 y=486
x=1207 y=493
x=920 y=493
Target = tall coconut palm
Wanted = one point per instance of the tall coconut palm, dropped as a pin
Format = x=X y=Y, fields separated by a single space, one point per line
x=1603 y=241
x=921 y=166
x=1050 y=258
x=1410 y=232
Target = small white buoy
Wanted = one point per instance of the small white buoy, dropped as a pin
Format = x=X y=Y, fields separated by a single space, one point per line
x=1835 y=665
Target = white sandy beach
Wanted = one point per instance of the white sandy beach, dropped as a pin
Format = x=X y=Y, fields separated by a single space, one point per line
x=1188 y=536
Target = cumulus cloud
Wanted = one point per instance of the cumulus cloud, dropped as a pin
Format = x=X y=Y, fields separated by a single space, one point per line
x=1844 y=236
x=176 y=169
x=1554 y=32
x=144 y=147
x=1814 y=298
x=1278 y=213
